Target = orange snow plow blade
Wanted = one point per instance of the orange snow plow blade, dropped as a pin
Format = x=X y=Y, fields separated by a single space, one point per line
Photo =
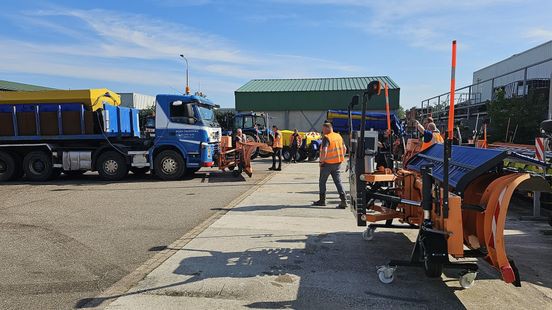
x=488 y=230
x=238 y=158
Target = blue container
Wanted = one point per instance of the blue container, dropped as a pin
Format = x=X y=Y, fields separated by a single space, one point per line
x=125 y=121
x=111 y=119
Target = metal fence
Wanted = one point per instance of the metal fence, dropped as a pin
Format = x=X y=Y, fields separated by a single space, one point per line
x=471 y=100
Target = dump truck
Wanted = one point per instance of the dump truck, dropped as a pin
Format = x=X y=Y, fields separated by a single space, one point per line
x=45 y=133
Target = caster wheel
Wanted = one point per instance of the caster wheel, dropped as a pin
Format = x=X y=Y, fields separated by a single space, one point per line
x=385 y=274
x=368 y=234
x=467 y=279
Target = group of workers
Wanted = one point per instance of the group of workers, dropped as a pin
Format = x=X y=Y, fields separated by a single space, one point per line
x=332 y=154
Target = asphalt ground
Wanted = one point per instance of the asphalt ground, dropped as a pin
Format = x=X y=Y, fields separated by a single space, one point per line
x=70 y=239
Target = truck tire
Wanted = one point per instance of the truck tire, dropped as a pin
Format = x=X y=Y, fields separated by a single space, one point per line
x=8 y=167
x=112 y=166
x=38 y=166
x=286 y=153
x=169 y=165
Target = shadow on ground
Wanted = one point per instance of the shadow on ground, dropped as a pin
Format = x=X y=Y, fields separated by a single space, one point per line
x=331 y=271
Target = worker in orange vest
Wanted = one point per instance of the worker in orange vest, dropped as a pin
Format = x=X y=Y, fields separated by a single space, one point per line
x=295 y=141
x=430 y=134
x=277 y=149
x=332 y=154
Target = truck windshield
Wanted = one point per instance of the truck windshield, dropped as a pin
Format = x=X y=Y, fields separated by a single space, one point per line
x=207 y=116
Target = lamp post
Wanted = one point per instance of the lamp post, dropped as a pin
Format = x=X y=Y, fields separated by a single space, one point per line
x=187 y=85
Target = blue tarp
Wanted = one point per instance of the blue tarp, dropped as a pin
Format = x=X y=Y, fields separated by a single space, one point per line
x=374 y=120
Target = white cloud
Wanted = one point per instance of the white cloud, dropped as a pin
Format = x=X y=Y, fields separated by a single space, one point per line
x=138 y=50
x=539 y=34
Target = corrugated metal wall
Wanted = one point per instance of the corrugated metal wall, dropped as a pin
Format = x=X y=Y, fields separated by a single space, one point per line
x=302 y=120
x=518 y=61
x=307 y=101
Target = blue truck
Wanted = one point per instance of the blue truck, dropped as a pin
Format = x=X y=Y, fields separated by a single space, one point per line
x=46 y=133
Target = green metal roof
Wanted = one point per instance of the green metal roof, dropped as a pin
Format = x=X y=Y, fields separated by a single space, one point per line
x=14 y=86
x=316 y=84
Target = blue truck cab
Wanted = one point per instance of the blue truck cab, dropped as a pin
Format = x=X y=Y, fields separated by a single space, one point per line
x=186 y=127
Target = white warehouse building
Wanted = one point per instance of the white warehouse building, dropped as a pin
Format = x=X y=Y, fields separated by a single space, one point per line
x=516 y=75
x=137 y=101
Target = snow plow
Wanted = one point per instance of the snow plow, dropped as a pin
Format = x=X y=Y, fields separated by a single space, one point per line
x=456 y=197
x=237 y=158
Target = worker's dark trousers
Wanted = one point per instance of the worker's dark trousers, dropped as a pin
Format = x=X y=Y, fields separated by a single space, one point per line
x=293 y=152
x=325 y=172
x=277 y=153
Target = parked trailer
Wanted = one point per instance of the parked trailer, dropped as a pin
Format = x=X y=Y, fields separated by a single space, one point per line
x=44 y=133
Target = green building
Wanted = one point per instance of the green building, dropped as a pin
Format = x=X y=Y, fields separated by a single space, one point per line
x=303 y=103
x=14 y=86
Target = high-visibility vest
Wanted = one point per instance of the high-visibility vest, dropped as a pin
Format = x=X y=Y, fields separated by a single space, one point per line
x=435 y=139
x=277 y=140
x=336 y=149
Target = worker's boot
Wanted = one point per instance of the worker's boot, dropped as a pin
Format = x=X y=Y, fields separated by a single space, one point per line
x=321 y=202
x=343 y=203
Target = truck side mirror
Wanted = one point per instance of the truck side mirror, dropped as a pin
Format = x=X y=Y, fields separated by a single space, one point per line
x=190 y=113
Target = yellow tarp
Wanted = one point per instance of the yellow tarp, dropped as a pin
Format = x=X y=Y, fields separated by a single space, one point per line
x=92 y=99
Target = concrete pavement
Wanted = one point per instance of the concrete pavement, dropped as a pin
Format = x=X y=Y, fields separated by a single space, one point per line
x=273 y=250
x=70 y=239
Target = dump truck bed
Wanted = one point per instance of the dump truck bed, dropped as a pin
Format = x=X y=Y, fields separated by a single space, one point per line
x=91 y=99
x=65 y=115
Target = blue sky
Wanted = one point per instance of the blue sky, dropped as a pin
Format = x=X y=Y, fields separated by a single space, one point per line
x=134 y=45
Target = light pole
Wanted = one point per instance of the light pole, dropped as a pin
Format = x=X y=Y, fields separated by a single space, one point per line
x=187 y=85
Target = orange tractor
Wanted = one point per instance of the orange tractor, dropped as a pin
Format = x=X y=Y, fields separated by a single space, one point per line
x=456 y=197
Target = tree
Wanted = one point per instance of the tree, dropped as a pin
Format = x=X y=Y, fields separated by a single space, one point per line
x=524 y=112
x=400 y=113
x=225 y=118
x=143 y=114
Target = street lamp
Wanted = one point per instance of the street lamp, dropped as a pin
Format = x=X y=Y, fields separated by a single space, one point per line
x=187 y=85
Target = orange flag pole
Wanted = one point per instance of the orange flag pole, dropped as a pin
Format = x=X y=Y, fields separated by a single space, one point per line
x=387 y=109
x=452 y=89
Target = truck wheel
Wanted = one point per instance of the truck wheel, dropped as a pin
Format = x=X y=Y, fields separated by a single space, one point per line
x=169 y=165
x=38 y=166
x=112 y=166
x=8 y=167
x=286 y=153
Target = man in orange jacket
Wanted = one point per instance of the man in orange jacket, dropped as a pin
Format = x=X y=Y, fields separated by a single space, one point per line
x=277 y=149
x=430 y=134
x=332 y=154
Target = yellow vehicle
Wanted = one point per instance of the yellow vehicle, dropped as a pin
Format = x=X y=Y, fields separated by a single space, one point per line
x=308 y=150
